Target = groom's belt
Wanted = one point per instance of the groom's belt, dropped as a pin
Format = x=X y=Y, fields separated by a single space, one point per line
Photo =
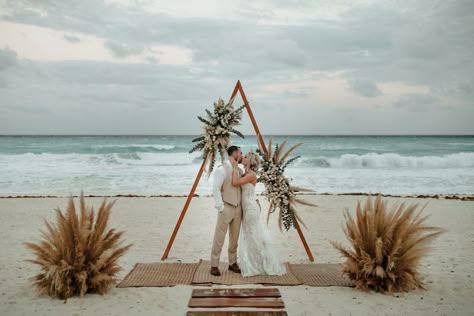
x=233 y=204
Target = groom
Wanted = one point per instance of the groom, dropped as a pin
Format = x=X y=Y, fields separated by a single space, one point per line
x=228 y=204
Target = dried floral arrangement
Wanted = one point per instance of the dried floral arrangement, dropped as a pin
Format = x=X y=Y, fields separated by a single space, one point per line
x=218 y=127
x=279 y=192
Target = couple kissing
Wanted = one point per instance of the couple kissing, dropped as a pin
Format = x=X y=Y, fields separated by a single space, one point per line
x=239 y=213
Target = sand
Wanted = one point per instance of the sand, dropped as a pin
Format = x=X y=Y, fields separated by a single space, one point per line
x=148 y=223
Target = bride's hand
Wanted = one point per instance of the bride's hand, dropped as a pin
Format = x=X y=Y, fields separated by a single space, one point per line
x=233 y=162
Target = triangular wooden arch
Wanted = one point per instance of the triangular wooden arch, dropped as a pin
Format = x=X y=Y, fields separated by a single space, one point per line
x=238 y=88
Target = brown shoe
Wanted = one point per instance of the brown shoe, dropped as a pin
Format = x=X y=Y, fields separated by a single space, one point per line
x=215 y=271
x=234 y=268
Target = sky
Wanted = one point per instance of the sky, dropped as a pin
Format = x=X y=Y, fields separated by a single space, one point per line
x=331 y=67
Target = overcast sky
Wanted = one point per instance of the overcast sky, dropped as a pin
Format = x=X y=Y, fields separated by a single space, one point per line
x=307 y=67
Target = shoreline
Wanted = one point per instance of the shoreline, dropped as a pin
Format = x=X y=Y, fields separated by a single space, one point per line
x=459 y=197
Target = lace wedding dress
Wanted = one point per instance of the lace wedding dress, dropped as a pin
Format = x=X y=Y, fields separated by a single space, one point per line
x=256 y=253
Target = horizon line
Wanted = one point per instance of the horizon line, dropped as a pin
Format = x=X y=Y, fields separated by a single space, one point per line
x=194 y=135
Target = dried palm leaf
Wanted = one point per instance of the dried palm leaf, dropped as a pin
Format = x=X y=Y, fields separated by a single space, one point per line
x=269 y=149
x=289 y=151
x=299 y=189
x=279 y=150
x=298 y=219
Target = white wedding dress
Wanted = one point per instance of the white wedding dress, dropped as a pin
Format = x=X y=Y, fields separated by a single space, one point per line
x=256 y=253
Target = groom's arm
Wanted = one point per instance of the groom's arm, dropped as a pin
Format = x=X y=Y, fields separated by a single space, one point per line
x=219 y=177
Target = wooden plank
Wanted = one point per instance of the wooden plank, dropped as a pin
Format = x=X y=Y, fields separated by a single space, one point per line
x=269 y=302
x=237 y=313
x=241 y=292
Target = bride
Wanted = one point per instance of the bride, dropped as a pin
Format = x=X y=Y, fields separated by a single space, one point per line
x=256 y=253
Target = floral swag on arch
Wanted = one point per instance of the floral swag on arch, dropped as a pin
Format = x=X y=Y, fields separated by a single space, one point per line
x=218 y=128
x=280 y=193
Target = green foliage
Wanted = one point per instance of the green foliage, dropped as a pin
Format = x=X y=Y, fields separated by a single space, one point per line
x=218 y=128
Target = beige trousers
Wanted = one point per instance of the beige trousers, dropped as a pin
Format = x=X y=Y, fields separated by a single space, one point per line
x=230 y=218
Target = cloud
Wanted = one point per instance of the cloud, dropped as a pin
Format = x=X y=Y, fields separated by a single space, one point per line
x=7 y=58
x=72 y=38
x=365 y=88
x=360 y=47
x=123 y=50
x=417 y=102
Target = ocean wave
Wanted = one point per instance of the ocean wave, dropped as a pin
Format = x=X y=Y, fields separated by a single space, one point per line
x=129 y=159
x=137 y=147
x=175 y=159
x=175 y=173
x=93 y=149
x=346 y=161
x=389 y=160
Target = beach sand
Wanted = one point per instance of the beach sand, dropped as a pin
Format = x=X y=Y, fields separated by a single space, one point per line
x=149 y=222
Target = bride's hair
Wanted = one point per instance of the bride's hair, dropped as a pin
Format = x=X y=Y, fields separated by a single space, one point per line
x=253 y=161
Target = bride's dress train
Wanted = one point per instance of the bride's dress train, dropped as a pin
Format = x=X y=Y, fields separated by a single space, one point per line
x=256 y=253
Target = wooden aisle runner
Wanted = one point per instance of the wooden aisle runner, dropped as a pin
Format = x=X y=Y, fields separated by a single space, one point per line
x=242 y=297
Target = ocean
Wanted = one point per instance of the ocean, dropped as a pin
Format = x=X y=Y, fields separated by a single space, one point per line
x=159 y=165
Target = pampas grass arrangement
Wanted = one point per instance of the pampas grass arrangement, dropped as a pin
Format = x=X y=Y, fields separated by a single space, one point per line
x=79 y=254
x=387 y=246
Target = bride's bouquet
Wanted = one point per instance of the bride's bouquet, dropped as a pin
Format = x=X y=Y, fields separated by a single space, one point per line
x=280 y=193
x=218 y=127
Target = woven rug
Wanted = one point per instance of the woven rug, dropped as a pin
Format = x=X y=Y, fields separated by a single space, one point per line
x=328 y=274
x=160 y=274
x=171 y=274
x=202 y=276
